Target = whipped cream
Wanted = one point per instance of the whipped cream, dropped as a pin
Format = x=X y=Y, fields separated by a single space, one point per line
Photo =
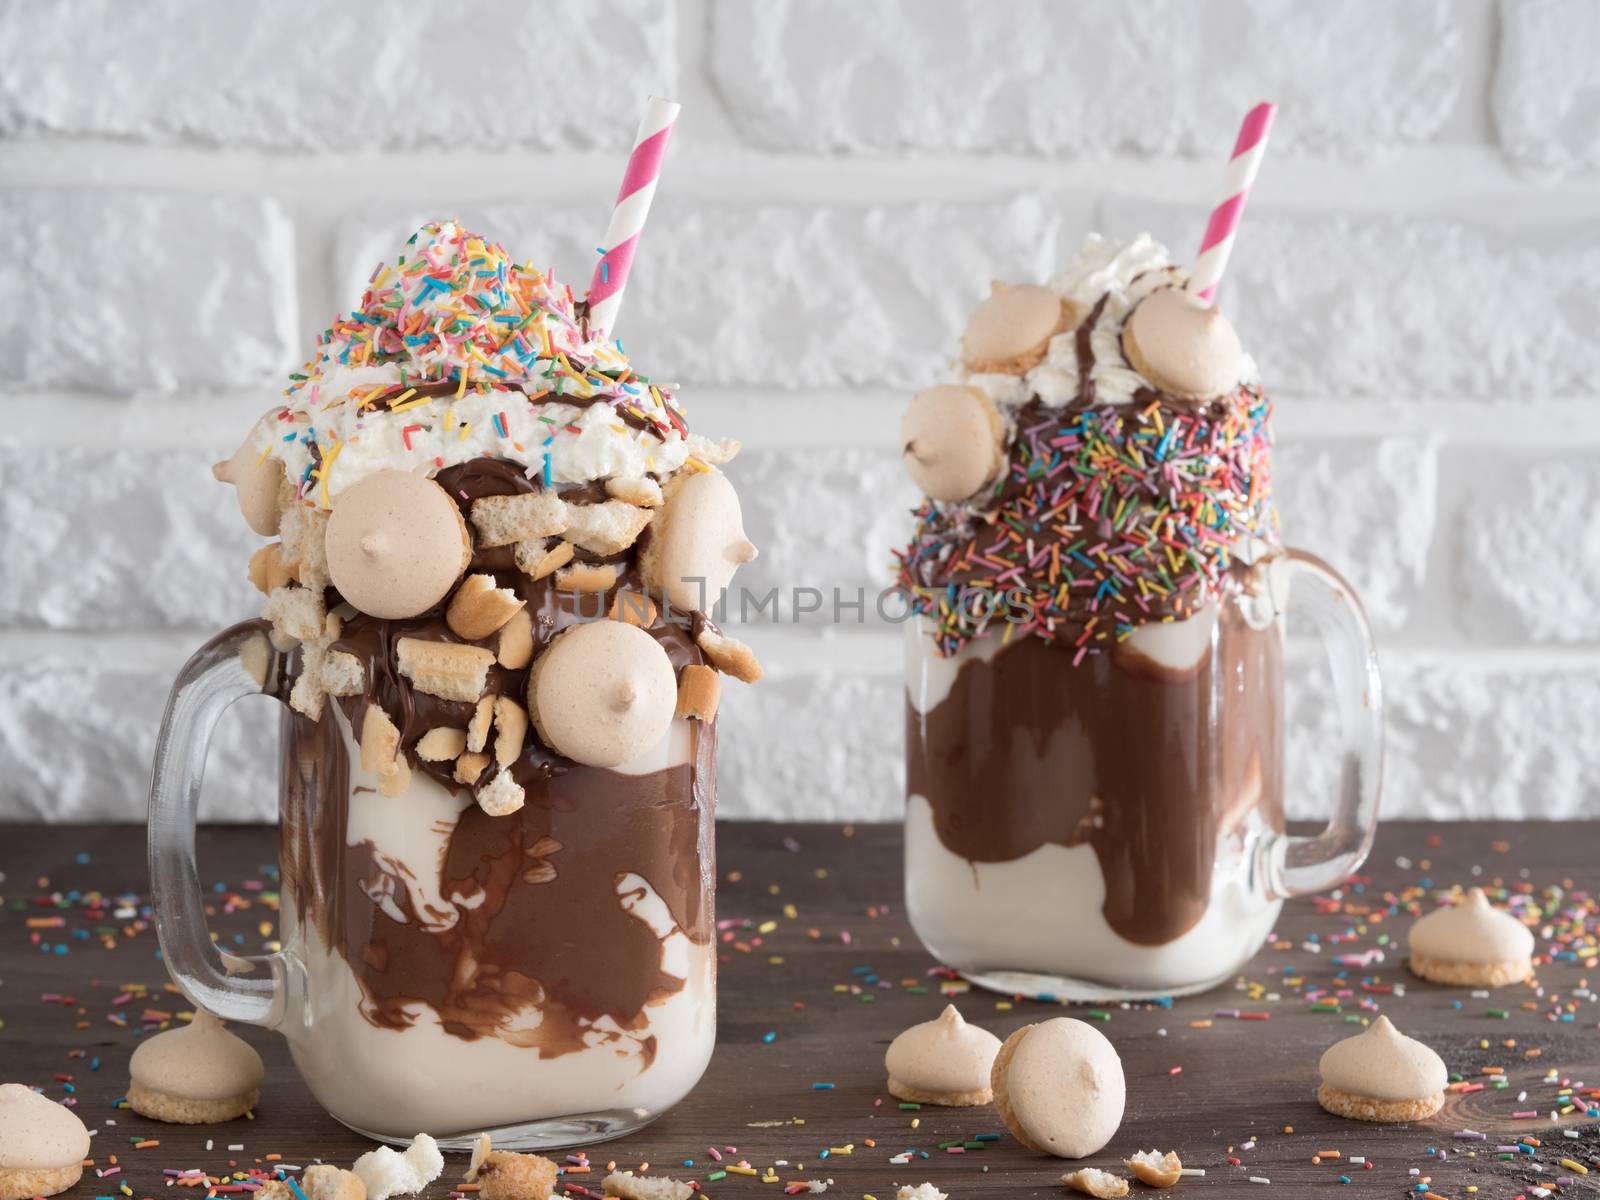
x=457 y=353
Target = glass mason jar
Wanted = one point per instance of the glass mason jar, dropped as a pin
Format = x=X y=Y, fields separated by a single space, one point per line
x=547 y=976
x=1115 y=829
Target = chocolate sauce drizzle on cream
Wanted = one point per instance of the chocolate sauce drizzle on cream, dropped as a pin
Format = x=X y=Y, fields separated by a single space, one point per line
x=546 y=923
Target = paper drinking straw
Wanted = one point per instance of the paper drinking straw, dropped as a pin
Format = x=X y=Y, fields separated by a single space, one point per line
x=627 y=218
x=1217 y=244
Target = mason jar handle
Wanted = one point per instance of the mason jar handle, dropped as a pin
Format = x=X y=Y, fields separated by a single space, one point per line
x=237 y=662
x=1294 y=866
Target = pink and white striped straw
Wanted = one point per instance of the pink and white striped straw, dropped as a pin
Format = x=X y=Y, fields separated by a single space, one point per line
x=627 y=217
x=1217 y=244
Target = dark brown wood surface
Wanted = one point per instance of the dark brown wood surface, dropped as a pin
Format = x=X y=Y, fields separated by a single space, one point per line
x=819 y=970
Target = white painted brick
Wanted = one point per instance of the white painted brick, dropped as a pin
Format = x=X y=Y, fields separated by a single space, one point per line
x=78 y=735
x=299 y=75
x=1526 y=547
x=1088 y=78
x=1367 y=507
x=1546 y=97
x=825 y=519
x=136 y=291
x=813 y=746
x=123 y=539
x=1478 y=740
x=1397 y=308
x=771 y=295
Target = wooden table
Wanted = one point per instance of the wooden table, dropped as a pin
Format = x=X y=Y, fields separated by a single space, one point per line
x=820 y=970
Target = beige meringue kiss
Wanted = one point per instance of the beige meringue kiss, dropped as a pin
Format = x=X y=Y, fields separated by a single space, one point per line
x=396 y=544
x=42 y=1144
x=952 y=441
x=1471 y=944
x=195 y=1074
x=1059 y=1087
x=1183 y=346
x=696 y=542
x=255 y=479
x=1010 y=330
x=1381 y=1075
x=602 y=693
x=943 y=1061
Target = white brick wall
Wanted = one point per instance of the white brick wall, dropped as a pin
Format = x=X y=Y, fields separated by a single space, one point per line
x=191 y=191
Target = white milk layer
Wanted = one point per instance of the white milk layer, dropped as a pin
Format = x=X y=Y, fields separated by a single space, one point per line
x=422 y=1079
x=1043 y=912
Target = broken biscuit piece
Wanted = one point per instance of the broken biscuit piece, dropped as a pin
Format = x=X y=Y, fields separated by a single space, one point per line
x=503 y=796
x=504 y=1175
x=606 y=528
x=633 y=608
x=699 y=690
x=729 y=655
x=441 y=744
x=478 y=727
x=295 y=612
x=714 y=451
x=642 y=491
x=320 y=1181
x=516 y=641
x=1092 y=1181
x=267 y=569
x=469 y=766
x=510 y=730
x=502 y=520
x=537 y=558
x=586 y=577
x=479 y=608
x=625 y=1185
x=342 y=674
x=380 y=741
x=1155 y=1169
x=444 y=669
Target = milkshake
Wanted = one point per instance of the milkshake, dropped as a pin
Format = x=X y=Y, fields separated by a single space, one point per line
x=1094 y=709
x=496 y=545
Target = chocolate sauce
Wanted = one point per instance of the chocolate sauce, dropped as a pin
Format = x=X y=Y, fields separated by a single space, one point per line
x=545 y=924
x=1147 y=765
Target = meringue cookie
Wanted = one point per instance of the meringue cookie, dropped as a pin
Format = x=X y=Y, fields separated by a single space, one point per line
x=396 y=544
x=1381 y=1075
x=602 y=693
x=42 y=1144
x=1009 y=330
x=196 y=1074
x=1471 y=944
x=696 y=542
x=951 y=439
x=943 y=1061
x=1059 y=1088
x=255 y=480
x=1182 y=345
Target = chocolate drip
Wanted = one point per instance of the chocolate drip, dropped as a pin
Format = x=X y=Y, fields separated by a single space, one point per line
x=449 y=387
x=546 y=925
x=1145 y=764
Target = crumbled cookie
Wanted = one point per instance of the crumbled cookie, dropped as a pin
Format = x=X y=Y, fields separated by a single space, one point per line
x=516 y=641
x=504 y=1175
x=479 y=608
x=606 y=528
x=444 y=669
x=503 y=796
x=1092 y=1181
x=510 y=730
x=441 y=744
x=1155 y=1169
x=586 y=577
x=537 y=558
x=699 y=690
x=478 y=727
x=642 y=491
x=729 y=655
x=625 y=1185
x=295 y=612
x=503 y=520
x=635 y=608
x=469 y=766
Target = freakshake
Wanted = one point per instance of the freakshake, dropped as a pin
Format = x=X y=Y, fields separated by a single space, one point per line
x=1094 y=736
x=496 y=545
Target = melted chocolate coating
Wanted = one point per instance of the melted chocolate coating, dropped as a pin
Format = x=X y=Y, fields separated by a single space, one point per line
x=546 y=925
x=1145 y=764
